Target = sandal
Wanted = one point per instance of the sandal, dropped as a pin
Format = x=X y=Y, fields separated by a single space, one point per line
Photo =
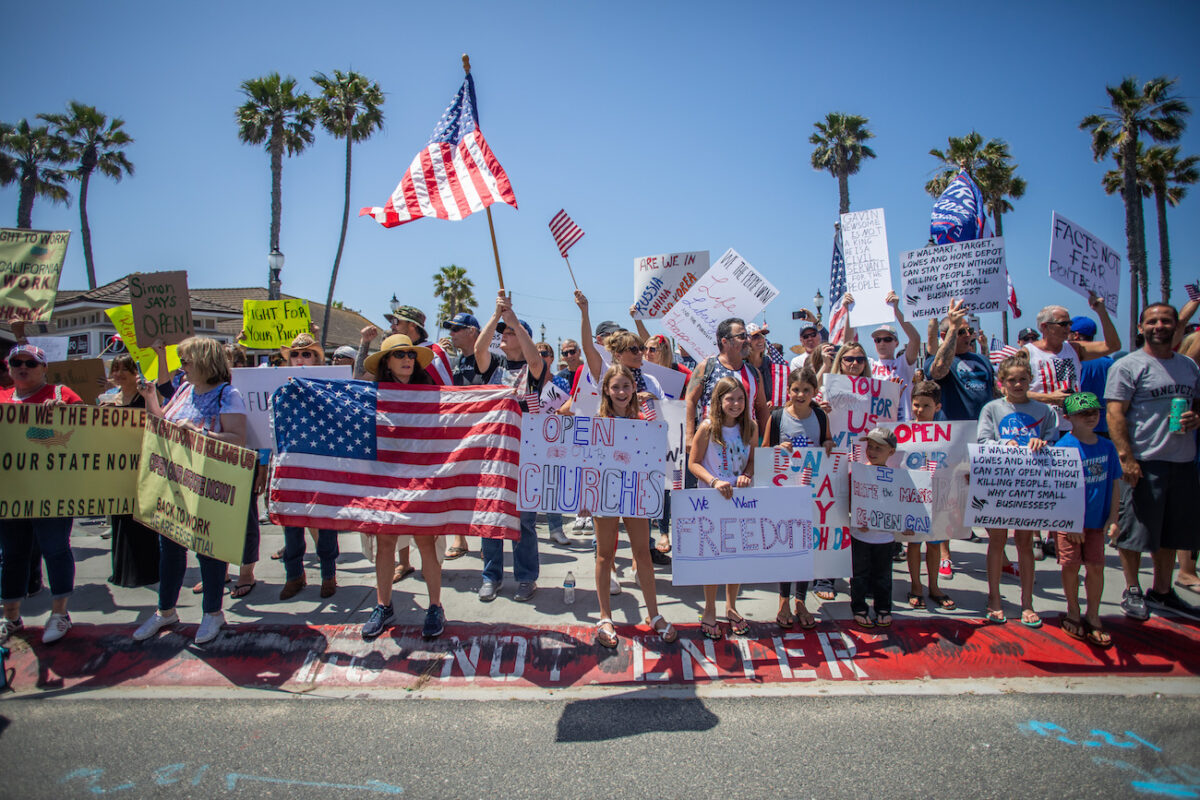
x=456 y=552
x=883 y=620
x=823 y=589
x=711 y=630
x=606 y=638
x=199 y=587
x=1097 y=636
x=277 y=555
x=995 y=617
x=737 y=623
x=943 y=601
x=1191 y=587
x=863 y=621
x=242 y=589
x=667 y=634
x=784 y=619
x=807 y=620
x=1030 y=619
x=1073 y=628
x=917 y=601
x=403 y=572
x=659 y=547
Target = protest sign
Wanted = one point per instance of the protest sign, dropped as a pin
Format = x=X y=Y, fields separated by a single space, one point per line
x=56 y=348
x=608 y=466
x=86 y=377
x=760 y=535
x=859 y=404
x=268 y=324
x=891 y=500
x=256 y=386
x=587 y=394
x=122 y=319
x=828 y=475
x=30 y=266
x=730 y=288
x=868 y=270
x=659 y=281
x=940 y=448
x=68 y=461
x=973 y=270
x=1080 y=261
x=674 y=414
x=1012 y=487
x=162 y=307
x=195 y=489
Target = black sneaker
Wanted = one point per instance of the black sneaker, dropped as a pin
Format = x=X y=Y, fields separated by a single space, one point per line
x=435 y=623
x=1170 y=603
x=379 y=619
x=1133 y=603
x=659 y=557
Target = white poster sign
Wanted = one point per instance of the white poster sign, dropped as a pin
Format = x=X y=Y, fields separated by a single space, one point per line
x=940 y=448
x=674 y=414
x=56 y=347
x=859 y=404
x=587 y=394
x=256 y=385
x=1012 y=487
x=1080 y=261
x=731 y=288
x=891 y=500
x=868 y=270
x=659 y=281
x=829 y=476
x=973 y=270
x=760 y=535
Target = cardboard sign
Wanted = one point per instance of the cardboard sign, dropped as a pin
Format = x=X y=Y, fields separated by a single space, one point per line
x=1012 y=487
x=86 y=377
x=941 y=449
x=30 y=266
x=121 y=318
x=610 y=467
x=829 y=476
x=1079 y=260
x=162 y=307
x=256 y=385
x=659 y=281
x=68 y=461
x=973 y=270
x=195 y=489
x=859 y=404
x=891 y=500
x=760 y=535
x=868 y=270
x=270 y=324
x=731 y=288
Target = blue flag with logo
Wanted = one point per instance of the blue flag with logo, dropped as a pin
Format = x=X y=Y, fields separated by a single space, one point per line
x=958 y=214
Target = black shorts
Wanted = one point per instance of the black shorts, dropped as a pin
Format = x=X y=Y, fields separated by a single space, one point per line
x=1160 y=512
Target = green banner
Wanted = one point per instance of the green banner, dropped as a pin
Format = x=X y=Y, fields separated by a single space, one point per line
x=30 y=266
x=268 y=324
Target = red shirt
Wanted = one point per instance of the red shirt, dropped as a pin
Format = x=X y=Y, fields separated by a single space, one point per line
x=41 y=395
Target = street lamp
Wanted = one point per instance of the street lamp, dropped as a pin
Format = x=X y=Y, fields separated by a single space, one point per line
x=818 y=301
x=543 y=333
x=394 y=303
x=274 y=267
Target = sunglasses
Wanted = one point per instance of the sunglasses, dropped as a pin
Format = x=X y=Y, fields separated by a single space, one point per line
x=570 y=351
x=965 y=331
x=546 y=353
x=853 y=359
x=741 y=336
x=28 y=363
x=404 y=354
x=303 y=354
x=633 y=348
x=885 y=339
x=1028 y=339
x=809 y=335
x=1065 y=323
x=456 y=328
x=652 y=349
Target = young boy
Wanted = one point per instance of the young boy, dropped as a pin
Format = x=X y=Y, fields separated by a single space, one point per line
x=926 y=402
x=1102 y=471
x=871 y=551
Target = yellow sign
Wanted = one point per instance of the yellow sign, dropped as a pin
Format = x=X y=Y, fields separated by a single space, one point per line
x=269 y=324
x=68 y=461
x=30 y=265
x=195 y=489
x=122 y=319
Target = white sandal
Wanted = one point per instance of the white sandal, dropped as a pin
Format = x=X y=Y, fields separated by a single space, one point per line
x=600 y=632
x=667 y=634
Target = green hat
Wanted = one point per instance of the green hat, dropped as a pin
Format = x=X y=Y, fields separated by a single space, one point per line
x=1081 y=401
x=409 y=314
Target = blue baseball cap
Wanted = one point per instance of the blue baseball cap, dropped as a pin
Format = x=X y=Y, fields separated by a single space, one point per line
x=1084 y=326
x=501 y=325
x=461 y=320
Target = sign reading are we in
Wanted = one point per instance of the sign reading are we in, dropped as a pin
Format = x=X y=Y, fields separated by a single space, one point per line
x=897 y=501
x=659 y=281
x=760 y=535
x=859 y=404
x=828 y=475
x=610 y=467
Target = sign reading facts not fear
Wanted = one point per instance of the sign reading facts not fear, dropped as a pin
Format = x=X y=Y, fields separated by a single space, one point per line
x=162 y=308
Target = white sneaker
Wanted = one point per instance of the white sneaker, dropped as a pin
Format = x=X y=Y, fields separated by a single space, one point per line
x=8 y=627
x=587 y=524
x=56 y=628
x=613 y=586
x=578 y=526
x=153 y=625
x=210 y=627
x=558 y=537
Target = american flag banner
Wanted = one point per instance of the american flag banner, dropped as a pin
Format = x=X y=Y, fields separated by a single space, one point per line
x=566 y=233
x=931 y=465
x=779 y=380
x=1058 y=374
x=396 y=458
x=648 y=411
x=1008 y=351
x=837 y=288
x=454 y=176
x=806 y=476
x=533 y=402
x=439 y=369
x=856 y=453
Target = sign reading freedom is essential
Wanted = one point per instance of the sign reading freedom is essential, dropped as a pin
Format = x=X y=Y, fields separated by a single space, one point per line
x=859 y=404
x=973 y=270
x=1014 y=488
x=256 y=386
x=1080 y=261
x=195 y=489
x=162 y=308
x=68 y=461
x=730 y=288
x=659 y=281
x=760 y=535
x=868 y=269
x=897 y=501
x=273 y=323
x=828 y=474
x=30 y=266
x=611 y=467
x=122 y=319
x=942 y=448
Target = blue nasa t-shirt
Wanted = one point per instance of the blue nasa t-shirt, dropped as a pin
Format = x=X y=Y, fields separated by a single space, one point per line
x=967 y=387
x=1101 y=466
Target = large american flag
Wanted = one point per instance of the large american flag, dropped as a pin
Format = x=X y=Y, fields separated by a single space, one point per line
x=439 y=370
x=837 y=288
x=566 y=233
x=454 y=176
x=778 y=366
x=395 y=458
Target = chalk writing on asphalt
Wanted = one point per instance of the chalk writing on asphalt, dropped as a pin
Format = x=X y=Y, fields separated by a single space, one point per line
x=189 y=776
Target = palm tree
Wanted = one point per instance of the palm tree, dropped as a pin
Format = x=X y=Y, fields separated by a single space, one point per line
x=840 y=149
x=1156 y=112
x=1114 y=183
x=34 y=156
x=275 y=114
x=1168 y=175
x=349 y=107
x=95 y=142
x=452 y=285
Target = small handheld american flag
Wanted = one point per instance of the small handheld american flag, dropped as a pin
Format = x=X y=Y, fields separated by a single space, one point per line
x=1193 y=290
x=566 y=233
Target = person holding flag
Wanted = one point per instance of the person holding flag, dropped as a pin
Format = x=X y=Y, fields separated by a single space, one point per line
x=889 y=366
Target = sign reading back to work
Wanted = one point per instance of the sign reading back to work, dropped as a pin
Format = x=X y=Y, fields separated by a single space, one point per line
x=973 y=270
x=267 y=324
x=1080 y=261
x=30 y=265
x=162 y=308
x=659 y=281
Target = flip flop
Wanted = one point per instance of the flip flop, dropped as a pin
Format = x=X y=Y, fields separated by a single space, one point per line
x=1036 y=622
x=456 y=552
x=1097 y=636
x=943 y=601
x=806 y=619
x=917 y=601
x=785 y=621
x=995 y=617
x=1191 y=587
x=863 y=621
x=1073 y=628
x=883 y=620
x=712 y=630
x=737 y=623
x=825 y=592
x=402 y=572
x=242 y=589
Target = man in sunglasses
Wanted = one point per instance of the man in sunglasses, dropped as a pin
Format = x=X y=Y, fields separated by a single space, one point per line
x=892 y=367
x=464 y=330
x=966 y=378
x=1056 y=362
x=810 y=340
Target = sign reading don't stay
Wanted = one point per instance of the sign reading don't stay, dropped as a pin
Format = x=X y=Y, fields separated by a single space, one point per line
x=162 y=308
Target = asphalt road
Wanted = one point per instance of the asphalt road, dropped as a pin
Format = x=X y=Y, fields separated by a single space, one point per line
x=1017 y=745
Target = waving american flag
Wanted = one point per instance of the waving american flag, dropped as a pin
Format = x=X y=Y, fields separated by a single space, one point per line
x=837 y=288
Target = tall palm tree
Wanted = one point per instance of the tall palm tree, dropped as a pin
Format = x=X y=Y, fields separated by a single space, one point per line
x=349 y=107
x=1168 y=175
x=452 y=285
x=94 y=142
x=1114 y=183
x=275 y=114
x=1152 y=110
x=840 y=150
x=34 y=157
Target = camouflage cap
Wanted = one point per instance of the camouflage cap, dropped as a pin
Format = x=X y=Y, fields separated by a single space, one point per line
x=409 y=314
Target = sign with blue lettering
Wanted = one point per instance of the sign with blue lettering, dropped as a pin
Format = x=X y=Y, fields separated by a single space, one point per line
x=659 y=281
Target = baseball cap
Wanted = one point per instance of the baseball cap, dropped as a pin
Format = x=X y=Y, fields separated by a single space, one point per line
x=409 y=314
x=1081 y=401
x=753 y=329
x=1082 y=325
x=502 y=325
x=345 y=351
x=607 y=328
x=31 y=350
x=880 y=436
x=1027 y=333
x=884 y=329
x=808 y=328
x=461 y=320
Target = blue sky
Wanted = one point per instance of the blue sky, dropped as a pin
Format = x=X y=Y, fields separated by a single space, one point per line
x=659 y=127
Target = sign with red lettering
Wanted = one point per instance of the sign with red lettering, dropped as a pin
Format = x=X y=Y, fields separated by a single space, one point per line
x=30 y=266
x=941 y=449
x=859 y=404
x=162 y=307
x=659 y=281
x=891 y=500
x=829 y=476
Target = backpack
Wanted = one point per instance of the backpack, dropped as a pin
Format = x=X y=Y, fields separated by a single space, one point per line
x=777 y=420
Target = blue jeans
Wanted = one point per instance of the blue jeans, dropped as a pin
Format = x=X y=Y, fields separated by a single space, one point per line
x=555 y=522
x=172 y=563
x=294 y=547
x=525 y=553
x=17 y=538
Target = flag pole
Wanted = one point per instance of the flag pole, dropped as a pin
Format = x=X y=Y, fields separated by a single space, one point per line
x=572 y=272
x=466 y=62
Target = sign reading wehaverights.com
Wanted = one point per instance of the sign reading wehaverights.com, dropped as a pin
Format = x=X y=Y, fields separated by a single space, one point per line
x=1012 y=487
x=973 y=271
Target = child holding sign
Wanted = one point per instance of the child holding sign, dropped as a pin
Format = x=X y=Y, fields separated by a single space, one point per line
x=1017 y=421
x=871 y=551
x=926 y=402
x=723 y=456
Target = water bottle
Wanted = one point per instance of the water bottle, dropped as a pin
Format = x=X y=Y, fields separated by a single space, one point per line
x=1174 y=419
x=569 y=589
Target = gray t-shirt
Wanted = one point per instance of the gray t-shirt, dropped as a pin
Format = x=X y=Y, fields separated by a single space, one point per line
x=800 y=432
x=1149 y=384
x=1002 y=421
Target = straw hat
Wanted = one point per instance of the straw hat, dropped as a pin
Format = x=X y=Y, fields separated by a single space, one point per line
x=305 y=341
x=398 y=341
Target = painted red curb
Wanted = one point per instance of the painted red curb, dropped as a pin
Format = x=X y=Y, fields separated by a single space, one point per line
x=300 y=657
